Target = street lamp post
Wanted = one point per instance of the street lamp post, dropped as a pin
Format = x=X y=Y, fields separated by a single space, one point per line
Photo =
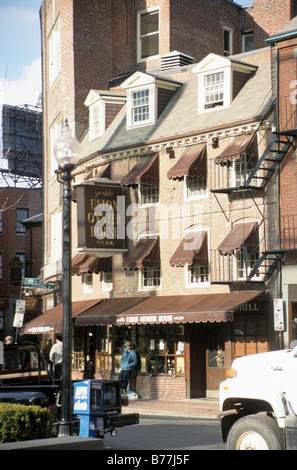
x=66 y=153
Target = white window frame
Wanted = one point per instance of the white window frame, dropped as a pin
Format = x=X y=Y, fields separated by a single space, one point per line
x=153 y=194
x=107 y=281
x=197 y=193
x=54 y=46
x=200 y=273
x=141 y=37
x=187 y=268
x=247 y=264
x=87 y=282
x=97 y=119
x=152 y=271
x=152 y=106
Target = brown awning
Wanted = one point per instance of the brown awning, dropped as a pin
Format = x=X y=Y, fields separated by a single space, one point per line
x=103 y=171
x=77 y=261
x=167 y=309
x=145 y=254
x=94 y=265
x=193 y=249
x=240 y=235
x=193 y=162
x=146 y=171
x=107 y=311
x=52 y=320
x=238 y=145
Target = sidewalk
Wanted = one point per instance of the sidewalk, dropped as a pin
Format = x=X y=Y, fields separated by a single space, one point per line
x=206 y=408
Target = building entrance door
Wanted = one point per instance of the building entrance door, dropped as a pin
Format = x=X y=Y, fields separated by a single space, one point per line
x=215 y=359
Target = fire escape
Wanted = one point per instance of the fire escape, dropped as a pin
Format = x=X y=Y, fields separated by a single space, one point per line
x=250 y=172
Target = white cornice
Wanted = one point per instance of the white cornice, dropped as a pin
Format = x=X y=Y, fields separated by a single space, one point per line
x=173 y=142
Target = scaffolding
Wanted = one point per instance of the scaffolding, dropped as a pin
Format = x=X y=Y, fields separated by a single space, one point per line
x=22 y=146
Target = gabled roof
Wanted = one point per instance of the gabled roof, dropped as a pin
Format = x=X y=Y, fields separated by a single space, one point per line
x=180 y=117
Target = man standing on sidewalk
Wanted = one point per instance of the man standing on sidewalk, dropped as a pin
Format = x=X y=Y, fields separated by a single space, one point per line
x=56 y=356
x=128 y=361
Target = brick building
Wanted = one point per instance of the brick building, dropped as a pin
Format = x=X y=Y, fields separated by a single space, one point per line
x=283 y=45
x=196 y=167
x=24 y=241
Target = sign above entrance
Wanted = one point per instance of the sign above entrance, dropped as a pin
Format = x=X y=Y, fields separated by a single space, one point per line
x=100 y=218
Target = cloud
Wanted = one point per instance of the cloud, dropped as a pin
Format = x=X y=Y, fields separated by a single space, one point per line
x=24 y=90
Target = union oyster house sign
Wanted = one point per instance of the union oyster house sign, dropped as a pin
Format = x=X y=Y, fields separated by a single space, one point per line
x=100 y=218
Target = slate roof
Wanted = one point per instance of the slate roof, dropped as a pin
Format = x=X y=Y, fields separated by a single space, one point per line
x=181 y=117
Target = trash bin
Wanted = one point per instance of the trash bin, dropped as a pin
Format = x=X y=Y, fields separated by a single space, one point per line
x=93 y=401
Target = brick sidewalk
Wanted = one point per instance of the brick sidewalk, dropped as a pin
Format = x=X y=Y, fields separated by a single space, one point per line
x=192 y=408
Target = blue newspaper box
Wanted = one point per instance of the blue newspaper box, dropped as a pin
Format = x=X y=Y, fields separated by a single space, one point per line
x=93 y=401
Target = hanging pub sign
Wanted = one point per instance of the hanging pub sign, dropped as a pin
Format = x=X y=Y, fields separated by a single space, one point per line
x=100 y=218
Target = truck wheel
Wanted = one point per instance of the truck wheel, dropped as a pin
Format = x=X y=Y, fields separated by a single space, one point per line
x=255 y=432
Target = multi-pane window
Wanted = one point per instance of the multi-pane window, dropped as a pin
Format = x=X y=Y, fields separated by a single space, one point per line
x=87 y=280
x=150 y=277
x=149 y=193
x=198 y=274
x=140 y=106
x=148 y=34
x=21 y=215
x=196 y=186
x=214 y=90
x=246 y=261
x=161 y=347
x=107 y=281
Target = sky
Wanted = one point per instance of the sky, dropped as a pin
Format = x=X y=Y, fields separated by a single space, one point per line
x=20 y=51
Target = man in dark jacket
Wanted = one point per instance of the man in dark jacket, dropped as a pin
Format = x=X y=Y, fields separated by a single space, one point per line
x=128 y=361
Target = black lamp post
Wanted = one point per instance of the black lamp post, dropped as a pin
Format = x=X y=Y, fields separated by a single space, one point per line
x=66 y=154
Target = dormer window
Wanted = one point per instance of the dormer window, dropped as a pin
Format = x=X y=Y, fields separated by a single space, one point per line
x=214 y=90
x=219 y=81
x=140 y=106
x=95 y=121
x=103 y=108
x=147 y=97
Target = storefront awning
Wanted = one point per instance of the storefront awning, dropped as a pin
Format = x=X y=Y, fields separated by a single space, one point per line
x=192 y=250
x=146 y=171
x=52 y=320
x=91 y=265
x=145 y=254
x=77 y=261
x=107 y=311
x=240 y=235
x=167 y=309
x=238 y=145
x=193 y=162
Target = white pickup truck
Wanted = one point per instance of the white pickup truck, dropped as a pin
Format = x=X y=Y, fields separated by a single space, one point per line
x=258 y=402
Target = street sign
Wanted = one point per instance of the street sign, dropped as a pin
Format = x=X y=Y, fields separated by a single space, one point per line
x=34 y=283
x=31 y=280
